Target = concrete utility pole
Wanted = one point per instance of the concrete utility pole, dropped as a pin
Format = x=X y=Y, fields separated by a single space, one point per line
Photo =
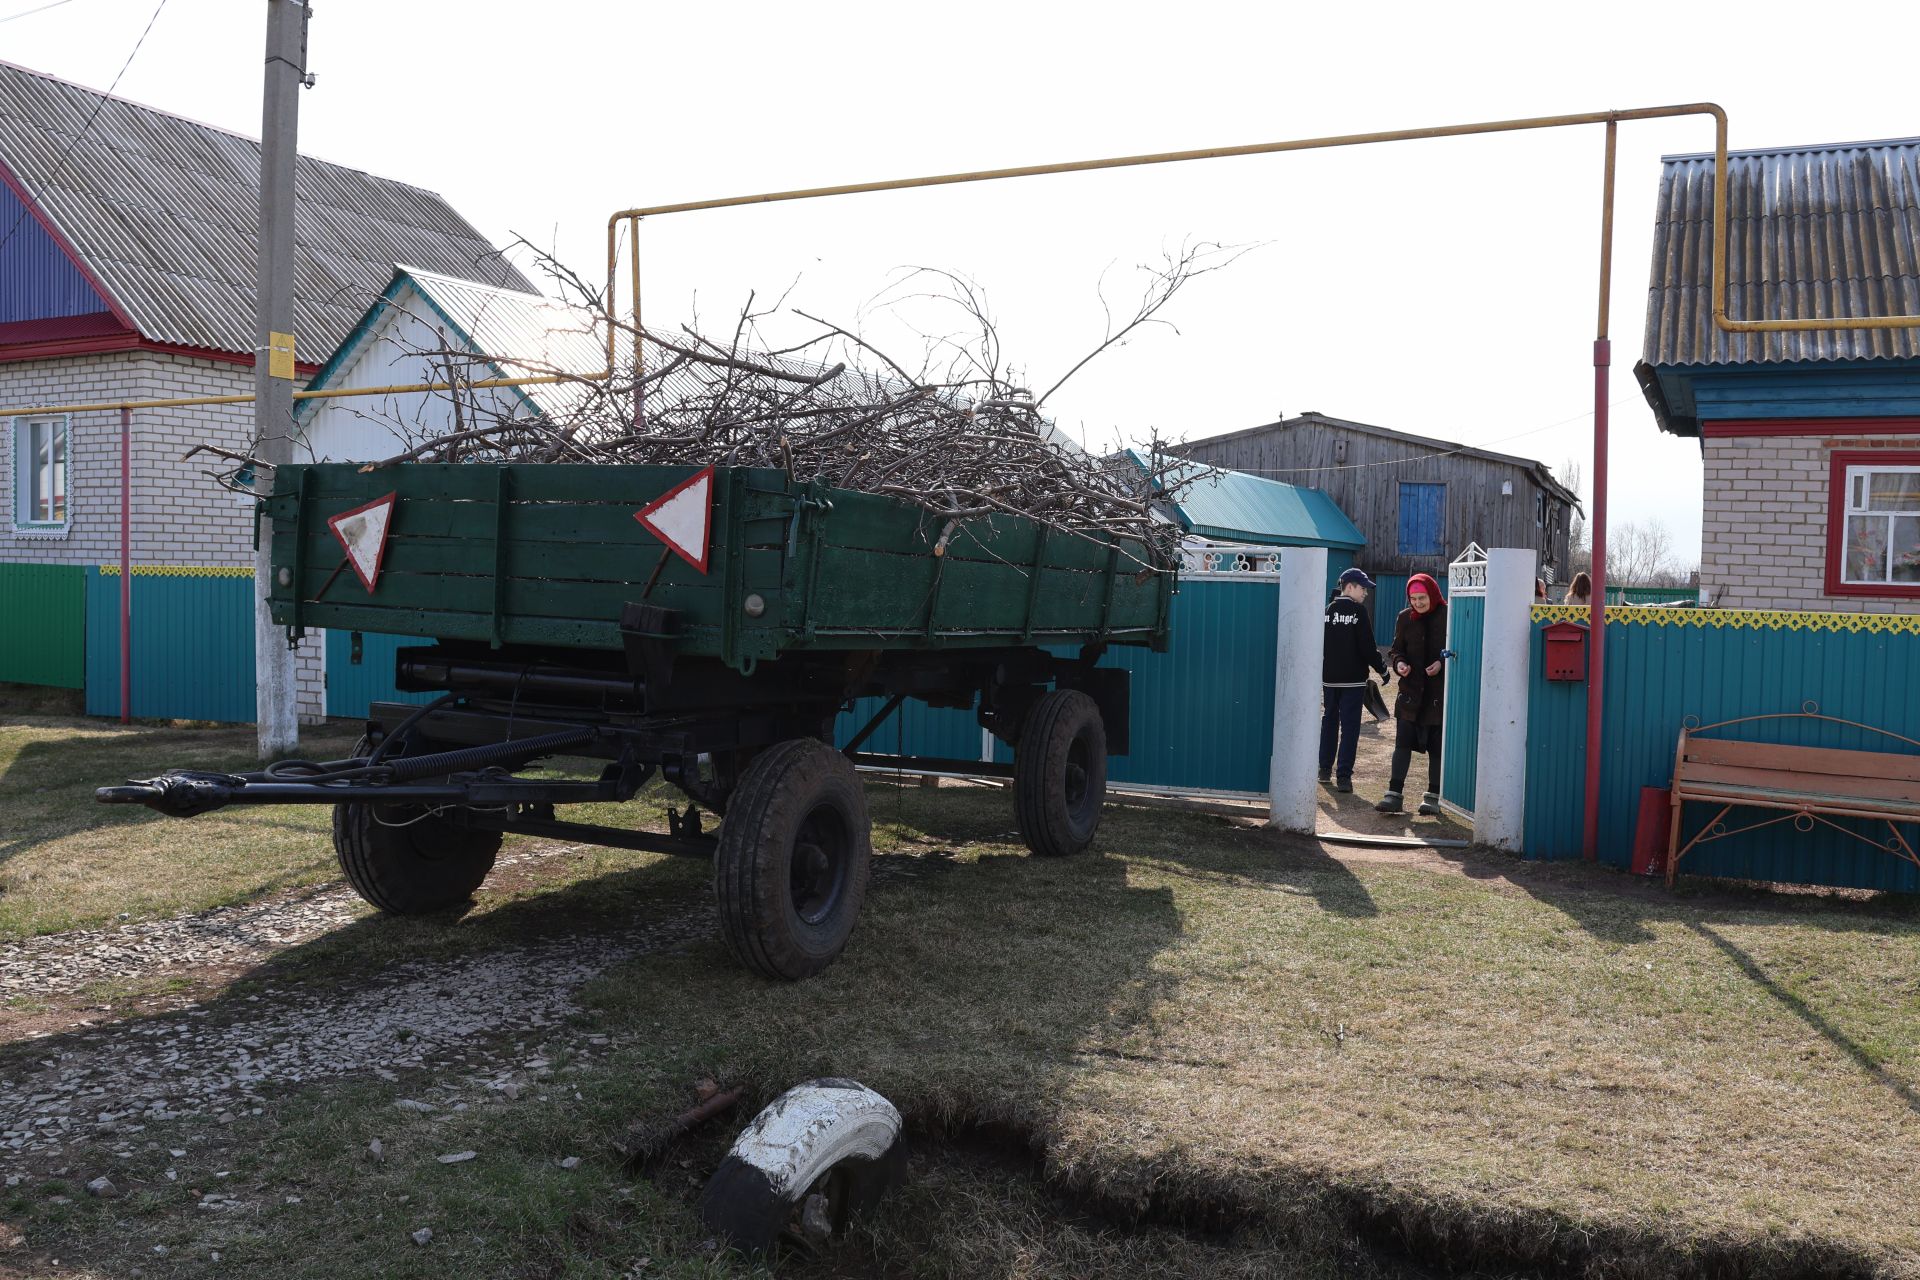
x=273 y=371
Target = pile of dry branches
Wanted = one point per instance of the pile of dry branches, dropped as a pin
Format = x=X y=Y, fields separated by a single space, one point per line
x=955 y=431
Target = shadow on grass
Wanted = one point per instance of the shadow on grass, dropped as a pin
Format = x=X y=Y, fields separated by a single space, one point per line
x=1875 y=1069
x=1287 y=863
x=1623 y=909
x=46 y=787
x=977 y=982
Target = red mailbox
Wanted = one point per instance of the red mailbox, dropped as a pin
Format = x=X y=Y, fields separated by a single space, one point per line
x=1566 y=650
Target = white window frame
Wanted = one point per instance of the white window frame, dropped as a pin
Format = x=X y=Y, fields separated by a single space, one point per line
x=1857 y=481
x=20 y=432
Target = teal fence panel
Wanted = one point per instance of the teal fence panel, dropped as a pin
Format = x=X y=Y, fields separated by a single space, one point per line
x=352 y=686
x=192 y=646
x=1661 y=673
x=43 y=622
x=1460 y=756
x=1202 y=713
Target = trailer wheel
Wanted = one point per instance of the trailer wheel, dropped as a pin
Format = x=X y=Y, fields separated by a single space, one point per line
x=407 y=860
x=822 y=1154
x=790 y=871
x=1060 y=773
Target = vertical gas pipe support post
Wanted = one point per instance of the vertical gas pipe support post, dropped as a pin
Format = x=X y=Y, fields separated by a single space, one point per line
x=1597 y=616
x=126 y=564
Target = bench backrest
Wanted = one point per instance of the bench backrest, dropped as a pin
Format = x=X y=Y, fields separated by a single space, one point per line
x=1879 y=775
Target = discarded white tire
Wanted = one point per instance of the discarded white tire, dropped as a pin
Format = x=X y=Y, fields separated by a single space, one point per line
x=836 y=1139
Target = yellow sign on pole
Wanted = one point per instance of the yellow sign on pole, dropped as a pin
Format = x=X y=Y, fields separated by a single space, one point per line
x=280 y=355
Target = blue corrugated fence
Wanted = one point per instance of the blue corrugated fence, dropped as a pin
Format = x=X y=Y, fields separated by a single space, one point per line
x=1661 y=671
x=192 y=644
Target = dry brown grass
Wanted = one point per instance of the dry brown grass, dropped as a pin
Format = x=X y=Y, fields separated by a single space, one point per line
x=1535 y=1065
x=1235 y=1053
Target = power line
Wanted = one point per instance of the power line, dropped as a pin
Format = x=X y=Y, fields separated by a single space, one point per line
x=28 y=13
x=61 y=165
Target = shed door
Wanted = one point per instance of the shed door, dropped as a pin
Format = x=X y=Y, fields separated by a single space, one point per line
x=1423 y=522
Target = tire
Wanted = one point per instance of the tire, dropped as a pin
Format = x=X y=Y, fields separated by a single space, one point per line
x=1060 y=774
x=790 y=871
x=835 y=1138
x=406 y=863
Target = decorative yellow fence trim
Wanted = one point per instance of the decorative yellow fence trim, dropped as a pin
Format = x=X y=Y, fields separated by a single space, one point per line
x=1749 y=619
x=181 y=571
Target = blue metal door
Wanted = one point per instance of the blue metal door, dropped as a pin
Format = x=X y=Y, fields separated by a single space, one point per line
x=1422 y=518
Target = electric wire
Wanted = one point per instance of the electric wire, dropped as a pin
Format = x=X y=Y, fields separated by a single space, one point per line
x=60 y=165
x=28 y=13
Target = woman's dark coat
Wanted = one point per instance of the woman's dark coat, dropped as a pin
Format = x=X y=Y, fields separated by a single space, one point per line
x=1417 y=641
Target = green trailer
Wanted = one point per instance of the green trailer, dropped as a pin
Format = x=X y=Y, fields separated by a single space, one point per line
x=706 y=625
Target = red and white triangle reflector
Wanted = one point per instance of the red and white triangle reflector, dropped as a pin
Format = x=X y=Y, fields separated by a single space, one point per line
x=363 y=533
x=682 y=517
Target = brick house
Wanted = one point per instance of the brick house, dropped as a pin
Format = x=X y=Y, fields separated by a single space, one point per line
x=127 y=260
x=1810 y=441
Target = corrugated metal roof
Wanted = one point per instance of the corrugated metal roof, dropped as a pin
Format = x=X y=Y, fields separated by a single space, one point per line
x=521 y=334
x=1233 y=506
x=1813 y=232
x=165 y=212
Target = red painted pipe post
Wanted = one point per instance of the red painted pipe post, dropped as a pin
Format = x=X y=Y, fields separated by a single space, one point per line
x=126 y=565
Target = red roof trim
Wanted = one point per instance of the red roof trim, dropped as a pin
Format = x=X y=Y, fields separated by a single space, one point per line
x=56 y=348
x=93 y=324
x=1811 y=427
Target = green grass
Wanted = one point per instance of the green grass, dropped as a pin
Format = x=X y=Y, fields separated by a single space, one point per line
x=1227 y=1051
x=67 y=862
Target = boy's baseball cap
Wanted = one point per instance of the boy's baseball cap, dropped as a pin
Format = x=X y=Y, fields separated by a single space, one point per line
x=1356 y=575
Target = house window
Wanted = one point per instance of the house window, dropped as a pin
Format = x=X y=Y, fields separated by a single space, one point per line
x=1423 y=522
x=40 y=473
x=1873 y=525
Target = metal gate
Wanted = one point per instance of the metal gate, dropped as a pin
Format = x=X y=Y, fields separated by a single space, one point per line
x=1202 y=713
x=1466 y=628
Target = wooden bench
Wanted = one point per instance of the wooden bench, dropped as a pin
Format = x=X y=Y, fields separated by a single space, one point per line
x=1808 y=785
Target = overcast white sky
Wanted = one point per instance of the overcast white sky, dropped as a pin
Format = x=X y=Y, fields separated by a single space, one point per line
x=1446 y=288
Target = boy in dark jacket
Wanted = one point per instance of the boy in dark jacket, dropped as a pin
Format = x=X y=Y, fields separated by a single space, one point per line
x=1347 y=651
x=1419 y=657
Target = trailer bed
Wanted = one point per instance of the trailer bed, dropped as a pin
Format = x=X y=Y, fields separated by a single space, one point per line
x=553 y=554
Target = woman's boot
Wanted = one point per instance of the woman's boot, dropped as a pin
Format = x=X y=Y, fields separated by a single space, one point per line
x=1389 y=803
x=1430 y=804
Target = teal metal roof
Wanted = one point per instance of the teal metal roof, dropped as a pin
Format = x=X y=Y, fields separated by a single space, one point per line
x=1232 y=506
x=519 y=334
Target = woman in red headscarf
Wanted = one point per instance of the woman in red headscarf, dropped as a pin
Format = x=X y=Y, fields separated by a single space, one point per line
x=1419 y=638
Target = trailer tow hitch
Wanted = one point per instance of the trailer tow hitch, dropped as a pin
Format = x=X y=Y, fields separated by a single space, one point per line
x=182 y=794
x=473 y=776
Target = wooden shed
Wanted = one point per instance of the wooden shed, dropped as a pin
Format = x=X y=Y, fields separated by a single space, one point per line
x=1417 y=500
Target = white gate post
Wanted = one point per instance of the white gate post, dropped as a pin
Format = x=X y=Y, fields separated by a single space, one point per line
x=1292 y=789
x=1500 y=775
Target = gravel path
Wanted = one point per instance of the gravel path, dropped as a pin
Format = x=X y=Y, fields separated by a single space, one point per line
x=461 y=1016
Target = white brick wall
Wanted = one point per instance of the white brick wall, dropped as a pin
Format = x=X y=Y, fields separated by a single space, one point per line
x=1763 y=542
x=179 y=515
